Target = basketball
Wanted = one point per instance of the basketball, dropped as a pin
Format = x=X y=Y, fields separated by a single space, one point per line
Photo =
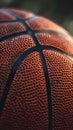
x=36 y=73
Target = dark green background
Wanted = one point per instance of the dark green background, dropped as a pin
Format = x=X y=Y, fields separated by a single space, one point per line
x=60 y=11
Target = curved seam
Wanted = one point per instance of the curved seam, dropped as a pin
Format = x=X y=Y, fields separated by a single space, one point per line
x=28 y=32
x=6 y=11
x=24 y=19
x=11 y=76
x=57 y=50
x=7 y=37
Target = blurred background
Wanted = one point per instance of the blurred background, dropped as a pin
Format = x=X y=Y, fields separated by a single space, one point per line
x=60 y=11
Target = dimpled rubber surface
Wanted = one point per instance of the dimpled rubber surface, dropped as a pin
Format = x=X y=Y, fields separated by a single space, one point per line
x=36 y=73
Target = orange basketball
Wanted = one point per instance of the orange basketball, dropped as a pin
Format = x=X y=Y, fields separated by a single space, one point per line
x=36 y=73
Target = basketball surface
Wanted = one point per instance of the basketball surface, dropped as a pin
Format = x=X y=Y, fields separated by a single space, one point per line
x=36 y=73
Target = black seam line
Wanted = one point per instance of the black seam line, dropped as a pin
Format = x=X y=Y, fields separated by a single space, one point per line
x=24 y=32
x=13 y=71
x=48 y=87
x=53 y=32
x=57 y=50
x=12 y=35
x=11 y=21
x=29 y=31
x=17 y=17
